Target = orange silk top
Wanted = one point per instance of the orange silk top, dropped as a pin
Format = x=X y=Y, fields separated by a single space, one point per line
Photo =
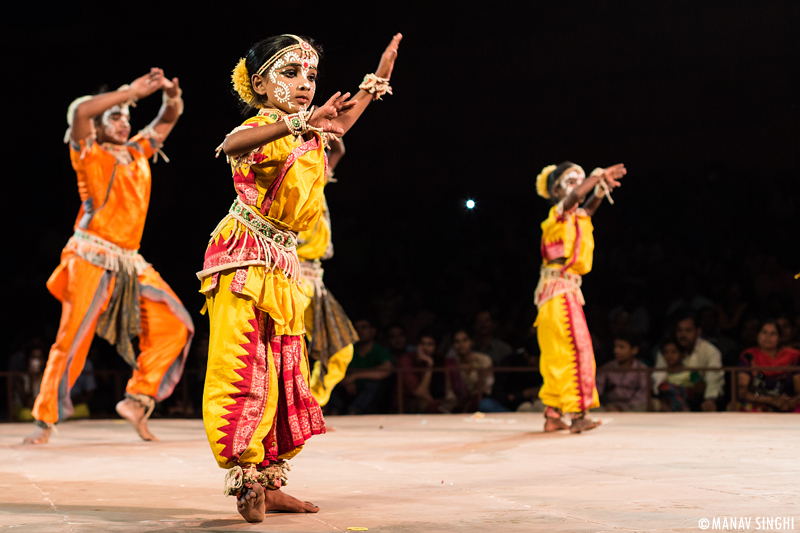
x=114 y=196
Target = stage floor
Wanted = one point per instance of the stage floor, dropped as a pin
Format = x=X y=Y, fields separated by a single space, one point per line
x=413 y=473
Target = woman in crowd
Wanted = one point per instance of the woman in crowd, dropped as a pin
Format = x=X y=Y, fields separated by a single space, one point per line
x=469 y=378
x=567 y=357
x=765 y=390
x=257 y=407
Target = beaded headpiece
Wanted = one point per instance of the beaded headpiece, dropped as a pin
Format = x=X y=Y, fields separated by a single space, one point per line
x=306 y=56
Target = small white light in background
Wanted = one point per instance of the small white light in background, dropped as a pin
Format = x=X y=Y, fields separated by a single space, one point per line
x=470 y=204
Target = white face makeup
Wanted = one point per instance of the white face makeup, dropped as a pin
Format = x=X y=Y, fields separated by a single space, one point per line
x=300 y=65
x=116 y=123
x=571 y=179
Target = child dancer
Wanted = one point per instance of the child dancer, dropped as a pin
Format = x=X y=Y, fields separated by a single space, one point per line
x=567 y=362
x=103 y=283
x=257 y=407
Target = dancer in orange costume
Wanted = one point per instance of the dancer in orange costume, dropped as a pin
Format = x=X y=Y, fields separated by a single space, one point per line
x=257 y=406
x=567 y=358
x=103 y=283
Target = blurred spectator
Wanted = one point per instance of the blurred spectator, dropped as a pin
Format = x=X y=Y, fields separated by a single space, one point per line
x=468 y=379
x=25 y=387
x=416 y=385
x=631 y=316
x=397 y=342
x=732 y=311
x=681 y=388
x=363 y=389
x=690 y=297
x=787 y=333
x=623 y=391
x=417 y=316
x=749 y=334
x=709 y=324
x=698 y=353
x=764 y=390
x=513 y=389
x=485 y=340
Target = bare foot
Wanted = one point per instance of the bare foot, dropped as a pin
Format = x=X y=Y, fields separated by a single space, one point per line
x=277 y=500
x=554 y=424
x=251 y=503
x=134 y=412
x=583 y=423
x=39 y=435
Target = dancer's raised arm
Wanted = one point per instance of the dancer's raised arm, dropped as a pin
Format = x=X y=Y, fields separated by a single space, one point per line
x=86 y=112
x=610 y=176
x=171 y=109
x=373 y=87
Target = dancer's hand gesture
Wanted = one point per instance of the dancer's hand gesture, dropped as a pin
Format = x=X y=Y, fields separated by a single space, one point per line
x=386 y=65
x=324 y=114
x=171 y=87
x=612 y=175
x=148 y=84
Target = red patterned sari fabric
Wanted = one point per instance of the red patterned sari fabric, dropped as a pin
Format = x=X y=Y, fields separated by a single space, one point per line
x=297 y=416
x=584 y=351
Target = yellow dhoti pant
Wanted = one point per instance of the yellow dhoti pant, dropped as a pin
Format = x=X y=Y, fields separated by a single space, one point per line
x=257 y=407
x=567 y=358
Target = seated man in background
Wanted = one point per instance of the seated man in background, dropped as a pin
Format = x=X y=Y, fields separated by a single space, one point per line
x=623 y=391
x=697 y=353
x=416 y=381
x=360 y=392
x=484 y=338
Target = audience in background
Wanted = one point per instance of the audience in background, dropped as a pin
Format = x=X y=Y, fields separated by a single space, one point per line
x=636 y=281
x=623 y=391
x=363 y=389
x=416 y=374
x=25 y=387
x=769 y=390
x=697 y=353
x=485 y=340
x=681 y=388
x=468 y=378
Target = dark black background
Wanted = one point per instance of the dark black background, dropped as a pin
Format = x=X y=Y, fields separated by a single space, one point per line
x=698 y=99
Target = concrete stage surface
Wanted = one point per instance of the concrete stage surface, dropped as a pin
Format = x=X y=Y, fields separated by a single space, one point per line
x=638 y=472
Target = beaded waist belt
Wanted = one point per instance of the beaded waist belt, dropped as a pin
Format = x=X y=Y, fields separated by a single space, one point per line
x=549 y=272
x=553 y=282
x=262 y=227
x=105 y=254
x=253 y=241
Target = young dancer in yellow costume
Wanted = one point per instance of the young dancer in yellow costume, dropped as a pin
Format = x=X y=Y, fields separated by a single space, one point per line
x=257 y=407
x=105 y=286
x=329 y=332
x=567 y=358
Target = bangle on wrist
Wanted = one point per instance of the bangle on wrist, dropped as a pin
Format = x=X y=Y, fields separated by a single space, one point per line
x=176 y=100
x=376 y=86
x=298 y=124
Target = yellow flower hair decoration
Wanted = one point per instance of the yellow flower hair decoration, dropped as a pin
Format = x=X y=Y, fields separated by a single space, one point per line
x=241 y=84
x=541 y=181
